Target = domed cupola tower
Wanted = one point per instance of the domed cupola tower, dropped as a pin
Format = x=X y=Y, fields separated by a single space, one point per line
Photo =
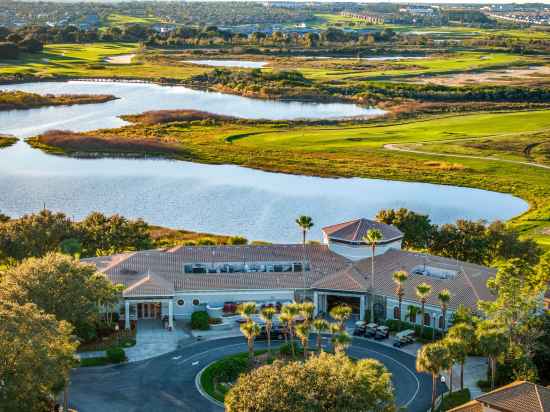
x=346 y=238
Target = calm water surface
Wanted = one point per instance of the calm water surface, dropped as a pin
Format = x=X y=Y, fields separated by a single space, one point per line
x=229 y=63
x=220 y=199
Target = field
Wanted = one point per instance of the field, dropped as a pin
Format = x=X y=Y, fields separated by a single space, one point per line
x=88 y=60
x=350 y=150
x=116 y=19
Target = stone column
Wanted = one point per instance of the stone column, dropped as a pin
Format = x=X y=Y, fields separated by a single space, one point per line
x=171 y=314
x=362 y=307
x=127 y=314
x=316 y=303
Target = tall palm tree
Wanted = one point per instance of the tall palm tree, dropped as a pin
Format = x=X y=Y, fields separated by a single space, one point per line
x=433 y=358
x=400 y=277
x=423 y=291
x=340 y=314
x=250 y=330
x=492 y=341
x=320 y=325
x=466 y=334
x=303 y=330
x=246 y=310
x=372 y=238
x=341 y=341
x=457 y=353
x=267 y=316
x=444 y=298
x=305 y=223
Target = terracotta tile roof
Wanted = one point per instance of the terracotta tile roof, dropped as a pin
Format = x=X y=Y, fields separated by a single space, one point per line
x=467 y=286
x=355 y=230
x=520 y=396
x=170 y=265
x=472 y=406
x=329 y=271
x=150 y=285
x=347 y=279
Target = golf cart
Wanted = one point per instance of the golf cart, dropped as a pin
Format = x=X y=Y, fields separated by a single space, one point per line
x=360 y=328
x=403 y=338
x=371 y=330
x=382 y=332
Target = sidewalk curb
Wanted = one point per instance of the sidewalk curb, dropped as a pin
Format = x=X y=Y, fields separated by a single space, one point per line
x=202 y=391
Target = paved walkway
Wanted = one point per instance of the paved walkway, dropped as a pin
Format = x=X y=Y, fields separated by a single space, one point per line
x=475 y=369
x=153 y=340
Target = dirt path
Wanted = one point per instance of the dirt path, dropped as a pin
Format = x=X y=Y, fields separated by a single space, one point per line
x=398 y=148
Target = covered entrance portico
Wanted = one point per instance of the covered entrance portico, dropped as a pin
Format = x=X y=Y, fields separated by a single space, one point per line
x=326 y=300
x=150 y=309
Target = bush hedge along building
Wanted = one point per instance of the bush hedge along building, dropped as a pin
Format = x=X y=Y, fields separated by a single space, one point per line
x=179 y=281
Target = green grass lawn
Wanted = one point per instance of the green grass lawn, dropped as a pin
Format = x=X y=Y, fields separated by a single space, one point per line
x=87 y=60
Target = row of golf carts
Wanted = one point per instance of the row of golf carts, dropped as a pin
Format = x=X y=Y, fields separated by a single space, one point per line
x=380 y=332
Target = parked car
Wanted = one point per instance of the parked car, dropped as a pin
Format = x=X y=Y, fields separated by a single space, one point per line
x=277 y=333
x=403 y=338
x=370 y=330
x=360 y=328
x=382 y=332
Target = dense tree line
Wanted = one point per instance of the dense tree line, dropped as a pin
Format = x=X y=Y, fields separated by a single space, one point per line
x=37 y=234
x=469 y=241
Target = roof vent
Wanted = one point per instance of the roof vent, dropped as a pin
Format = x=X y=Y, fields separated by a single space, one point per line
x=434 y=272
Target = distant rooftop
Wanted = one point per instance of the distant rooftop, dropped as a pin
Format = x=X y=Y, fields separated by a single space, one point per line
x=355 y=230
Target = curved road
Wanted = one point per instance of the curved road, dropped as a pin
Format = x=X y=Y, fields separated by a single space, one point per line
x=167 y=383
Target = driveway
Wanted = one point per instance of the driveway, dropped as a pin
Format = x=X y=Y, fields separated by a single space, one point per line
x=167 y=383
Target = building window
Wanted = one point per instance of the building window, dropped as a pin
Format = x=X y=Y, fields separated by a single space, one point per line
x=396 y=313
x=180 y=302
x=427 y=319
x=196 y=302
x=441 y=322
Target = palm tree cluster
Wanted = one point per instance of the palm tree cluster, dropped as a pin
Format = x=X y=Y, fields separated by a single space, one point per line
x=299 y=322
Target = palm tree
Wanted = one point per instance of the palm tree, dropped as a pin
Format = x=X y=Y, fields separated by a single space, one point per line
x=433 y=358
x=250 y=330
x=423 y=290
x=320 y=325
x=303 y=330
x=246 y=310
x=492 y=341
x=292 y=310
x=400 y=277
x=444 y=298
x=341 y=341
x=305 y=223
x=306 y=310
x=267 y=316
x=285 y=318
x=457 y=353
x=372 y=238
x=340 y=314
x=466 y=334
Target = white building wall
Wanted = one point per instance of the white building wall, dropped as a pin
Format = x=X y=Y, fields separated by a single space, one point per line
x=430 y=309
x=218 y=298
x=358 y=252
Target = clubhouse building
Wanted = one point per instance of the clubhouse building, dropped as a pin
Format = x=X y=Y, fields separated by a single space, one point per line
x=174 y=283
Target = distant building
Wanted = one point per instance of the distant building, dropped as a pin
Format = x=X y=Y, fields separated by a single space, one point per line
x=372 y=18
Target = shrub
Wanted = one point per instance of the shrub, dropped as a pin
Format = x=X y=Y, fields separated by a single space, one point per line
x=238 y=240
x=228 y=370
x=199 y=320
x=116 y=355
x=393 y=324
x=455 y=399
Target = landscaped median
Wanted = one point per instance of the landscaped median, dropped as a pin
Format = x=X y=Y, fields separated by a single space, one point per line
x=107 y=350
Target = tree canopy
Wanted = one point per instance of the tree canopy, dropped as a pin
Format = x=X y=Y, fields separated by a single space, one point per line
x=61 y=286
x=36 y=355
x=322 y=383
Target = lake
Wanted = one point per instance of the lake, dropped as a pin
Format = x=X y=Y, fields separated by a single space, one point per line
x=222 y=199
x=251 y=64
